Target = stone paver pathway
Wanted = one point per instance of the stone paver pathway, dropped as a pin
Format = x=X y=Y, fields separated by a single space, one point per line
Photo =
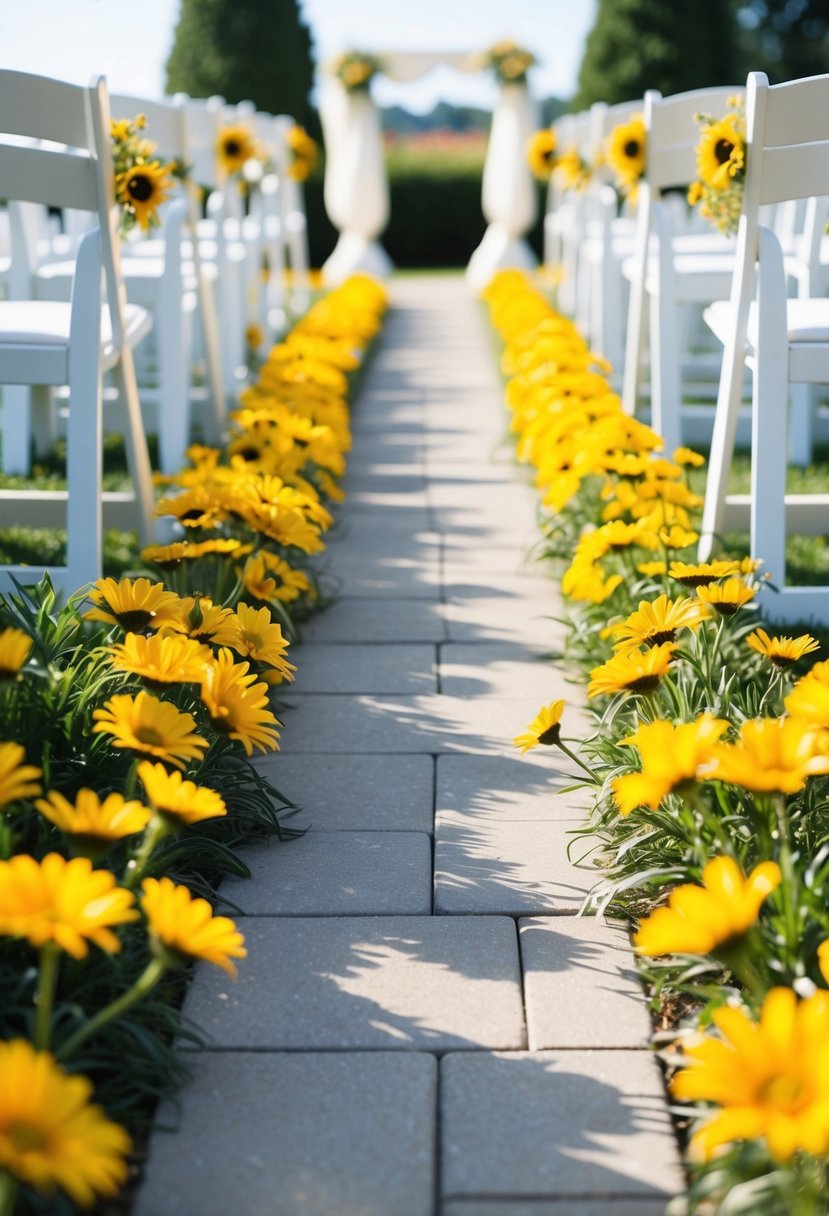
x=422 y=1026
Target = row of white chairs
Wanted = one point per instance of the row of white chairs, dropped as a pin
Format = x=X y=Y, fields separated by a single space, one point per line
x=80 y=303
x=762 y=296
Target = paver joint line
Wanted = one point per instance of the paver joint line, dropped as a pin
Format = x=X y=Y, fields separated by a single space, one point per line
x=421 y=943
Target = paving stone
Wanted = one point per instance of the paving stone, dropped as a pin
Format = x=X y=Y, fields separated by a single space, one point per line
x=509 y=867
x=406 y=534
x=386 y=575
x=508 y=789
x=375 y=723
x=590 y=1124
x=337 y=874
x=580 y=985
x=383 y=667
x=531 y=621
x=378 y=620
x=484 y=669
x=358 y=793
x=554 y=1207
x=298 y=1135
x=527 y=583
x=403 y=982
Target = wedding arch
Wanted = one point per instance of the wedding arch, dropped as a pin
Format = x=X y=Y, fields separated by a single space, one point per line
x=356 y=183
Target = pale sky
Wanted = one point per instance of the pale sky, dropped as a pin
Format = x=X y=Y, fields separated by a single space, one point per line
x=129 y=40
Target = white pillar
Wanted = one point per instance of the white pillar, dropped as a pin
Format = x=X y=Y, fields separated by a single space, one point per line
x=509 y=195
x=356 y=186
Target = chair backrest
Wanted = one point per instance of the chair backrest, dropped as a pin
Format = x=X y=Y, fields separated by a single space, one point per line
x=55 y=151
x=166 y=123
x=673 y=133
x=787 y=153
x=204 y=122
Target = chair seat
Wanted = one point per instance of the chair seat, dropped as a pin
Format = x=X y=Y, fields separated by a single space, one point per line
x=808 y=320
x=45 y=323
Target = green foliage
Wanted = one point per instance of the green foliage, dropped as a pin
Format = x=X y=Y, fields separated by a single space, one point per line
x=646 y=44
x=244 y=49
x=436 y=218
x=787 y=39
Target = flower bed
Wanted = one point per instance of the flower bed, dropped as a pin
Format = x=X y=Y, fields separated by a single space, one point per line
x=708 y=767
x=128 y=720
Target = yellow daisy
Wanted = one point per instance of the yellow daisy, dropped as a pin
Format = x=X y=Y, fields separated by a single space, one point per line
x=771 y=755
x=51 y=1134
x=782 y=652
x=238 y=704
x=671 y=757
x=721 y=154
x=15 y=648
x=94 y=823
x=134 y=604
x=259 y=638
x=17 y=780
x=659 y=621
x=182 y=801
x=541 y=153
x=183 y=928
x=545 y=728
x=150 y=727
x=727 y=598
x=637 y=671
x=65 y=902
x=161 y=659
x=770 y=1077
x=701 y=919
x=235 y=147
x=143 y=189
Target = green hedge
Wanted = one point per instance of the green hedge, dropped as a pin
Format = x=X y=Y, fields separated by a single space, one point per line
x=436 y=217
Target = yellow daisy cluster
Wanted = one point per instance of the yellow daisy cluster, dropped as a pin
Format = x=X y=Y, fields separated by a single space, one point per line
x=153 y=692
x=710 y=760
x=721 y=168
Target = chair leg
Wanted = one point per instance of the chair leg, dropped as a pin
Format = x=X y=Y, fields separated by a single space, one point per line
x=666 y=401
x=209 y=331
x=16 y=429
x=801 y=430
x=44 y=419
x=769 y=449
x=138 y=458
x=173 y=383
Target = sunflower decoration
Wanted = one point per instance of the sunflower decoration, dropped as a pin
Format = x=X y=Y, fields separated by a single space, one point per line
x=571 y=170
x=234 y=148
x=625 y=150
x=509 y=61
x=355 y=69
x=721 y=168
x=541 y=153
x=303 y=151
x=142 y=180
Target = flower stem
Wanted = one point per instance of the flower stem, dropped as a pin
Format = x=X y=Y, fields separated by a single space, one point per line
x=594 y=779
x=8 y=1193
x=46 y=984
x=154 y=834
x=142 y=987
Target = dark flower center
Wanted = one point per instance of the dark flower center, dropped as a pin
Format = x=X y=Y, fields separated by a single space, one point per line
x=232 y=147
x=631 y=148
x=696 y=580
x=726 y=609
x=135 y=620
x=780 y=660
x=149 y=736
x=643 y=684
x=249 y=453
x=662 y=635
x=551 y=735
x=723 y=149
x=192 y=515
x=140 y=188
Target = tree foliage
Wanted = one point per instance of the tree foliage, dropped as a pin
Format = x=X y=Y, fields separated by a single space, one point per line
x=244 y=49
x=786 y=39
x=648 y=44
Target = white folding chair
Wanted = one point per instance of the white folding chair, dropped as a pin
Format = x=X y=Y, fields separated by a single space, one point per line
x=782 y=340
x=49 y=343
x=157 y=276
x=671 y=267
x=608 y=240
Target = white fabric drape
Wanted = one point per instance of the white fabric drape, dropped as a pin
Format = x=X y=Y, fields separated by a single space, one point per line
x=356 y=187
x=509 y=197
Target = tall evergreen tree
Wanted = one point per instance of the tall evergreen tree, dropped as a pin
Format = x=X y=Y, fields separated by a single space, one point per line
x=244 y=49
x=650 y=44
x=786 y=39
